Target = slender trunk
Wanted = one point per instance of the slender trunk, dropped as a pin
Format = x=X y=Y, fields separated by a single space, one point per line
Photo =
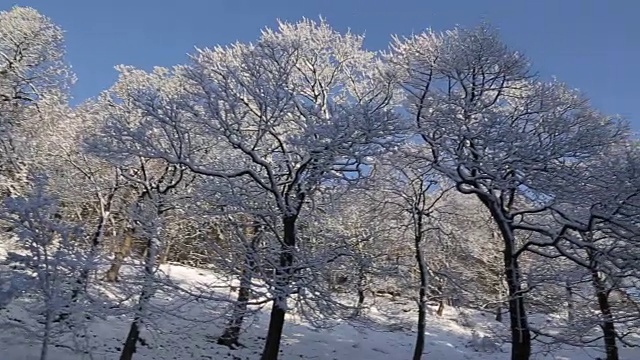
x=83 y=278
x=130 y=343
x=231 y=335
x=519 y=324
x=362 y=278
x=608 y=326
x=282 y=280
x=422 y=292
x=361 y=297
x=123 y=250
x=44 y=350
x=441 y=307
x=441 y=297
x=96 y=240
x=164 y=258
x=570 y=310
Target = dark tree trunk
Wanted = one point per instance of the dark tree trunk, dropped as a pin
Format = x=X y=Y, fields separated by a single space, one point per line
x=499 y=313
x=282 y=280
x=520 y=333
x=83 y=278
x=608 y=326
x=96 y=240
x=231 y=335
x=422 y=292
x=133 y=336
x=274 y=333
x=519 y=324
x=570 y=309
x=361 y=289
x=360 y=304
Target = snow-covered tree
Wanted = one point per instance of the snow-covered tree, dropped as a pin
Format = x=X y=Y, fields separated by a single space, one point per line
x=33 y=78
x=411 y=190
x=53 y=257
x=300 y=108
x=489 y=126
x=605 y=247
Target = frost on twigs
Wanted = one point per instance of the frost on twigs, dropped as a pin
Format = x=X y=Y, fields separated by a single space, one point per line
x=50 y=257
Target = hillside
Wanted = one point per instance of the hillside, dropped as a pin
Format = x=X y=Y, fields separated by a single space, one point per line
x=186 y=328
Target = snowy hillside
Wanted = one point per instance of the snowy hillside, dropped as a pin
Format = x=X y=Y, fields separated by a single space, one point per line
x=181 y=330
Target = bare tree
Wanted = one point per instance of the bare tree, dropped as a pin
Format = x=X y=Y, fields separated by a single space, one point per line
x=301 y=107
x=498 y=134
x=605 y=245
x=148 y=216
x=250 y=234
x=53 y=256
x=412 y=190
x=33 y=77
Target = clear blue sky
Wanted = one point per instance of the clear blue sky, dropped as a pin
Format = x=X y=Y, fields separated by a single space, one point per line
x=593 y=45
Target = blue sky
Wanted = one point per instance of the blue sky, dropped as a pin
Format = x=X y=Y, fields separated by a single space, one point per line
x=593 y=45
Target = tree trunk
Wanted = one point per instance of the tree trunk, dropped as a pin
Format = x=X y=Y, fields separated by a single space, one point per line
x=96 y=241
x=520 y=333
x=274 y=333
x=231 y=335
x=282 y=280
x=361 y=289
x=519 y=324
x=121 y=253
x=441 y=307
x=608 y=327
x=83 y=278
x=570 y=307
x=44 y=349
x=164 y=258
x=360 y=304
x=441 y=297
x=362 y=280
x=422 y=292
x=130 y=343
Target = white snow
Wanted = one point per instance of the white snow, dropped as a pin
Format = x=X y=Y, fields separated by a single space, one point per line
x=388 y=335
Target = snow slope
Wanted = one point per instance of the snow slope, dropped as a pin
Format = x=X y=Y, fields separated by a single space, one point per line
x=187 y=329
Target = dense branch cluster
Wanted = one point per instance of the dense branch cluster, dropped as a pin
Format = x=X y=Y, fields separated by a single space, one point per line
x=315 y=176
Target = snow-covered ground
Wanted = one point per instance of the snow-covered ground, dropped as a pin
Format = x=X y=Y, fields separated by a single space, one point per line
x=188 y=330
